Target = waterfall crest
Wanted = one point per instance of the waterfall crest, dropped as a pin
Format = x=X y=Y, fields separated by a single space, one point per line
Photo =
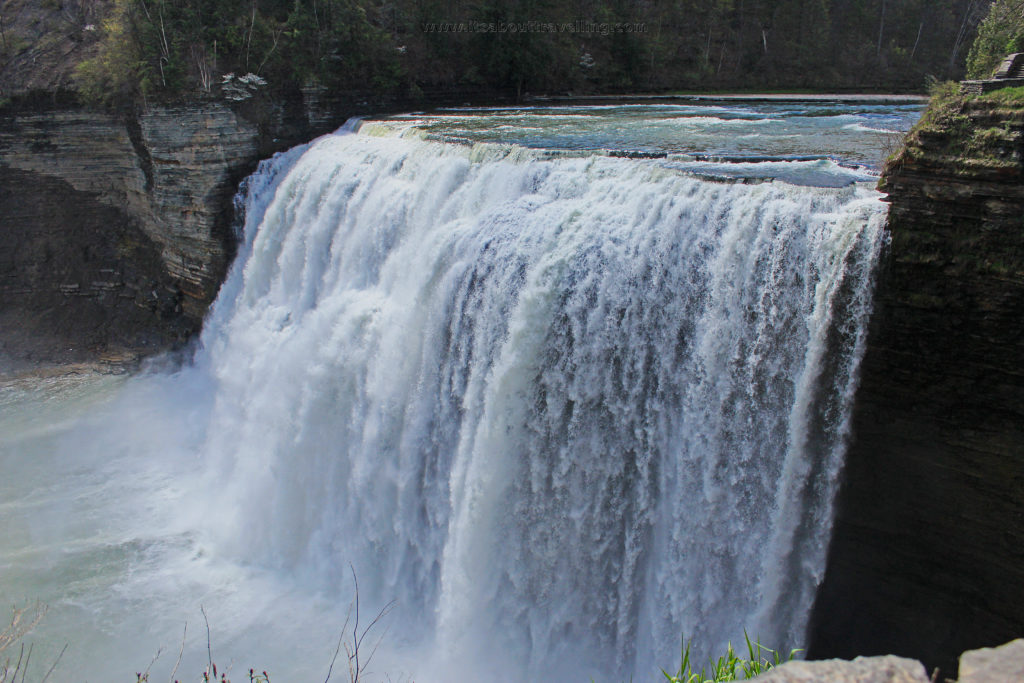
x=564 y=409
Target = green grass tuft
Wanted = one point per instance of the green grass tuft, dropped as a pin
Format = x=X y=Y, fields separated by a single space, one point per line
x=730 y=666
x=1004 y=96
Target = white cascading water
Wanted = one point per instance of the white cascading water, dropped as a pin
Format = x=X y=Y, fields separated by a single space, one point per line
x=562 y=409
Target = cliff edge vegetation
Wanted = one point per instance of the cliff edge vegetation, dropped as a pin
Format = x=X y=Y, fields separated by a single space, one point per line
x=962 y=135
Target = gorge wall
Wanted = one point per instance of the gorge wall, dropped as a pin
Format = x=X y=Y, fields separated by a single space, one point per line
x=117 y=227
x=927 y=557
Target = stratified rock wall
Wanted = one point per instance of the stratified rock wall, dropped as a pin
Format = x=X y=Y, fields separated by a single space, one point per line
x=927 y=557
x=116 y=229
x=197 y=157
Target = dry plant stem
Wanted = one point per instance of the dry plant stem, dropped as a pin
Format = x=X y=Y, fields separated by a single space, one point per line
x=23 y=620
x=380 y=615
x=209 y=651
x=356 y=668
x=145 y=674
x=180 y=653
x=28 y=658
x=17 y=667
x=890 y=143
x=355 y=628
x=55 y=662
x=341 y=639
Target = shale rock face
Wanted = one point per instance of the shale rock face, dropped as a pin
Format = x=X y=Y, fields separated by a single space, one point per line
x=927 y=557
x=78 y=279
x=117 y=229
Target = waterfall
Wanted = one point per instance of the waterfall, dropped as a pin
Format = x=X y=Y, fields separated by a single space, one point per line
x=562 y=409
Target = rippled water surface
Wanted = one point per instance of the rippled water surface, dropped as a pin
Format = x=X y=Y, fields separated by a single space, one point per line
x=806 y=142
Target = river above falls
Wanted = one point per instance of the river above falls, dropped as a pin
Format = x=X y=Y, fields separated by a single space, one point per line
x=825 y=143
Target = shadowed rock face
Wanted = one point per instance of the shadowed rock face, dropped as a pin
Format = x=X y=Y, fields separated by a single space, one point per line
x=116 y=230
x=927 y=557
x=79 y=280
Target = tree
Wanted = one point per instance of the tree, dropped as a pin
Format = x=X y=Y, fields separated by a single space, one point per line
x=1001 y=33
x=117 y=71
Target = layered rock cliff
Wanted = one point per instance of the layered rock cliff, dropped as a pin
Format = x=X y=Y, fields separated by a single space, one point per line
x=927 y=557
x=118 y=225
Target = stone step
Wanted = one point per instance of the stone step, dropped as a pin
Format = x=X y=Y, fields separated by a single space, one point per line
x=1011 y=67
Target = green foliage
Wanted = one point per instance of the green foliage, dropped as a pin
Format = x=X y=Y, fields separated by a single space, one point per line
x=1011 y=97
x=1001 y=33
x=175 y=48
x=730 y=666
x=944 y=118
x=172 y=48
x=945 y=110
x=956 y=126
x=116 y=71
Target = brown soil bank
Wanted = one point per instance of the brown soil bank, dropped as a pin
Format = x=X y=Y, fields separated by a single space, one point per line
x=927 y=557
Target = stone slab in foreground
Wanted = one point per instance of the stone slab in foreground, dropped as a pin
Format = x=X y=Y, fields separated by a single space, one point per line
x=1004 y=664
x=888 y=669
